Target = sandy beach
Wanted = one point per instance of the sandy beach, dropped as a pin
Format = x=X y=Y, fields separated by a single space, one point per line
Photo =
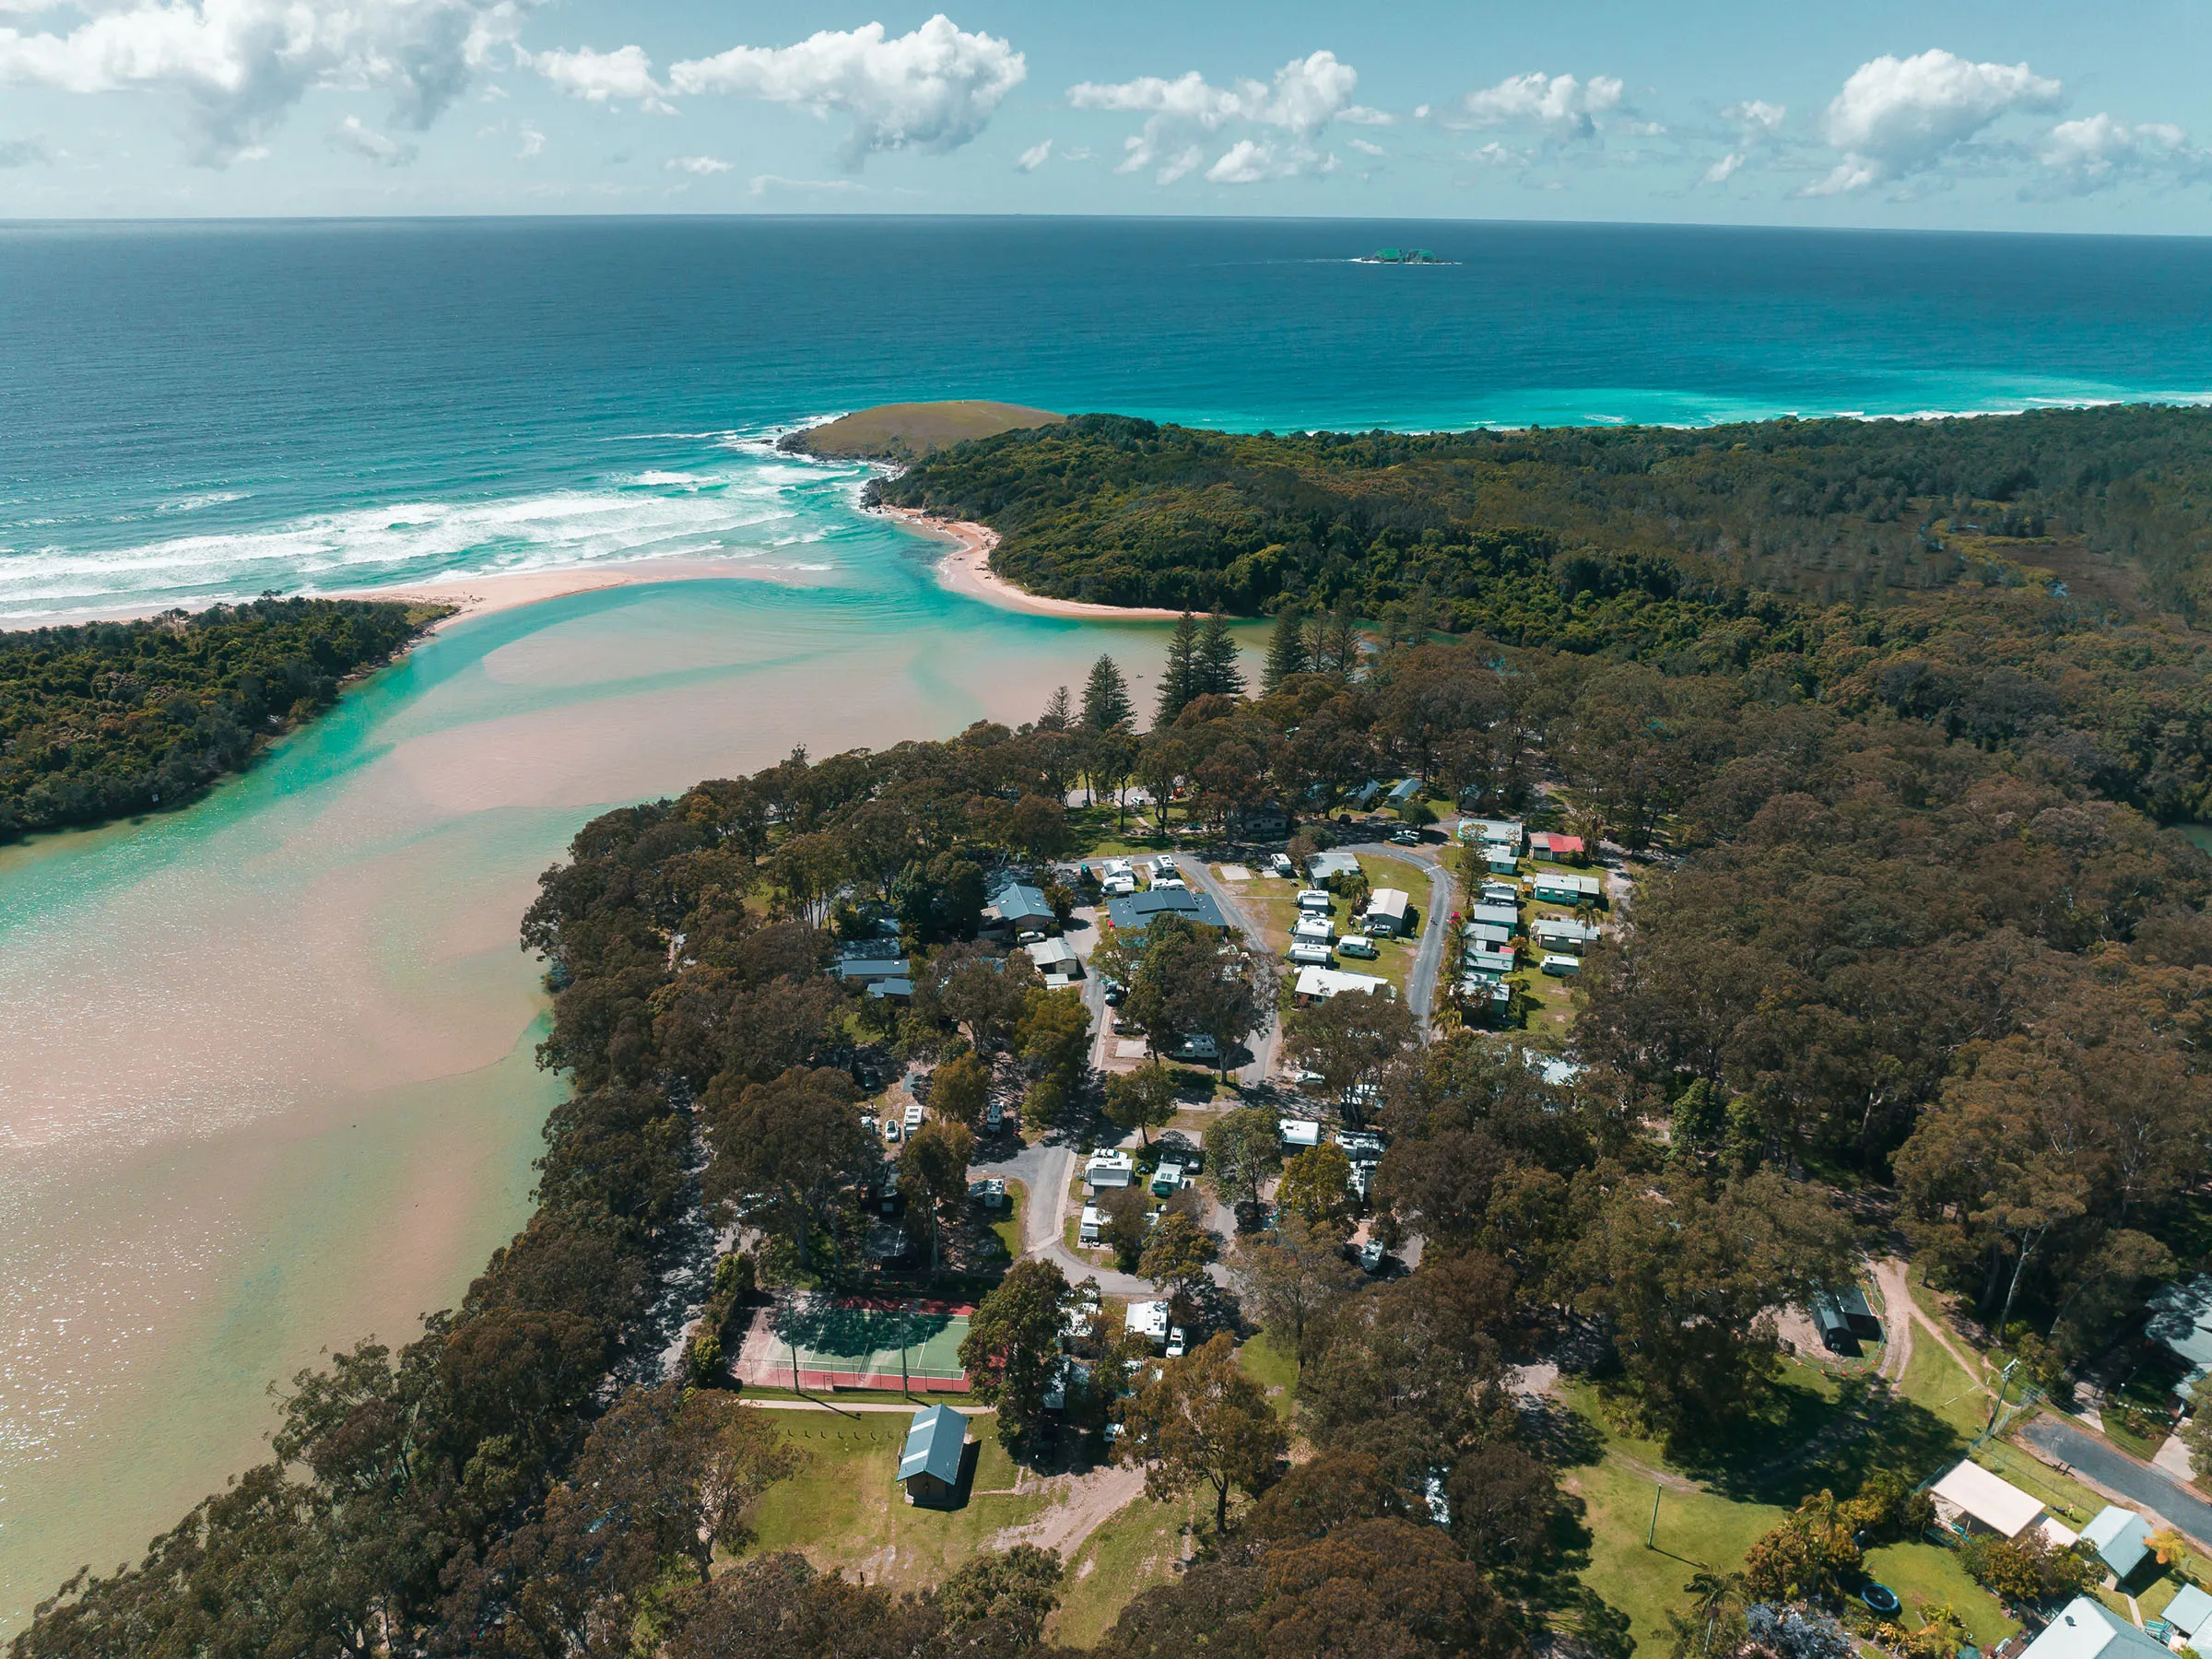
x=480 y=595
x=967 y=570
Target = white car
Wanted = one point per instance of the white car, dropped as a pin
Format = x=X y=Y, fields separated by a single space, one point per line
x=890 y=1130
x=1175 y=1342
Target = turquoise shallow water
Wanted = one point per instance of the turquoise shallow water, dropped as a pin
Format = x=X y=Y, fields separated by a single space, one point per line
x=267 y=1083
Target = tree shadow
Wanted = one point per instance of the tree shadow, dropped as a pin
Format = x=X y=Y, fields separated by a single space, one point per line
x=1803 y=1442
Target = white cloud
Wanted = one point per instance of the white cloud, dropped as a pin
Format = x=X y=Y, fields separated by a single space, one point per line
x=1896 y=117
x=1757 y=113
x=1495 y=154
x=697 y=166
x=1306 y=95
x=1035 y=156
x=23 y=152
x=1721 y=172
x=598 y=77
x=241 y=65
x=1560 y=104
x=1365 y=149
x=2098 y=153
x=357 y=138
x=533 y=143
x=764 y=183
x=932 y=90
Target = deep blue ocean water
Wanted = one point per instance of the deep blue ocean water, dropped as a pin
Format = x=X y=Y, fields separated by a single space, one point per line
x=190 y=411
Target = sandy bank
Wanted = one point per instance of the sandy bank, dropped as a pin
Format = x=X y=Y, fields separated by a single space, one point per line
x=478 y=595
x=967 y=570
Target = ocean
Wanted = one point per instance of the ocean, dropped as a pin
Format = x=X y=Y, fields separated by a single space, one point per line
x=195 y=411
x=266 y=1064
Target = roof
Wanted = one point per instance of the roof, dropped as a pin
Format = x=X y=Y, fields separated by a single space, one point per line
x=2181 y=1317
x=2190 y=1610
x=1566 y=928
x=1556 y=844
x=2084 y=1630
x=872 y=968
x=1323 y=865
x=1150 y=1317
x=1405 y=790
x=1490 y=933
x=2120 y=1536
x=934 y=1445
x=1134 y=913
x=1503 y=915
x=1998 y=1504
x=1325 y=982
x=1298 y=1132
x=1560 y=882
x=1018 y=900
x=1387 y=901
x=1045 y=953
x=892 y=987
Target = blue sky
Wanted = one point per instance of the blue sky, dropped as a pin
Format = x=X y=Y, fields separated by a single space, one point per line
x=1939 y=114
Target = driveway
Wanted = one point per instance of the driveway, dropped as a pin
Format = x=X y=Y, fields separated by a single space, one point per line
x=2102 y=1466
x=1268 y=1042
x=1429 y=961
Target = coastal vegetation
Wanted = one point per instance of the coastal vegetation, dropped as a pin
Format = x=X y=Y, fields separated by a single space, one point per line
x=108 y=719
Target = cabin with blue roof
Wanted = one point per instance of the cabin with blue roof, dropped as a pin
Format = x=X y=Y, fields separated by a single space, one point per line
x=930 y=1466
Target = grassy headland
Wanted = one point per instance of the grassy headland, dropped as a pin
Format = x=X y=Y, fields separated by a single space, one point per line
x=907 y=432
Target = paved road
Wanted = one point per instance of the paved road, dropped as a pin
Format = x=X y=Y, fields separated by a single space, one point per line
x=2138 y=1483
x=1428 y=961
x=1266 y=1044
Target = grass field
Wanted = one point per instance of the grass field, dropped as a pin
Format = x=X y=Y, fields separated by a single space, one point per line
x=843 y=1509
x=1273 y=1369
x=1134 y=1550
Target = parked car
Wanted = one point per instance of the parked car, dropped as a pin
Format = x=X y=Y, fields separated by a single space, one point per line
x=1407 y=836
x=890 y=1130
x=1115 y=993
x=1175 y=1342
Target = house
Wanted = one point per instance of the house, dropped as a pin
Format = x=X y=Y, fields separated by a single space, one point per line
x=1057 y=960
x=2086 y=1628
x=1298 y=1134
x=1970 y=1497
x=1553 y=887
x=1499 y=962
x=892 y=990
x=1506 y=833
x=1318 y=984
x=1546 y=847
x=1016 y=907
x=1507 y=916
x=1133 y=913
x=1564 y=934
x=2189 y=1612
x=1148 y=1319
x=2120 y=1539
x=935 y=1445
x=2181 y=1317
x=869 y=970
x=1364 y=797
x=1326 y=867
x=1108 y=1170
x=1500 y=892
x=1836 y=1334
x=1387 y=914
x=1405 y=792
x=1487 y=933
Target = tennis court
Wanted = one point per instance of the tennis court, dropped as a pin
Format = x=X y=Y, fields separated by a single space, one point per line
x=857 y=1342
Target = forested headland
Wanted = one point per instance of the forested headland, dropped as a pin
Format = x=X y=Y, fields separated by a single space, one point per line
x=107 y=719
x=1909 y=953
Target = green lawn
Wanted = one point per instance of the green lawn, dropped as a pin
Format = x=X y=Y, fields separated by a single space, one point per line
x=1009 y=1227
x=843 y=1509
x=1275 y=1369
x=1926 y=1575
x=1136 y=1548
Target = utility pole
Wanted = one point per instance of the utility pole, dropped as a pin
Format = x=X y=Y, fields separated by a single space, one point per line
x=1650 y=1538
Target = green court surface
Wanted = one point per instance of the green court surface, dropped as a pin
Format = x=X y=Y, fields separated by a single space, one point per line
x=872 y=1343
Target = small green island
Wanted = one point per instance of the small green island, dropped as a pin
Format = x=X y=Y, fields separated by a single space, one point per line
x=905 y=432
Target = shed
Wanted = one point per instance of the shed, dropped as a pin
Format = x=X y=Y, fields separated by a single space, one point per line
x=1851 y=1302
x=1388 y=911
x=930 y=1466
x=2086 y=1628
x=1969 y=1493
x=1836 y=1334
x=2190 y=1610
x=2120 y=1539
x=1324 y=867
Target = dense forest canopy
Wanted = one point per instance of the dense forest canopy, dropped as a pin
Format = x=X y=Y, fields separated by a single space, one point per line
x=107 y=719
x=1521 y=534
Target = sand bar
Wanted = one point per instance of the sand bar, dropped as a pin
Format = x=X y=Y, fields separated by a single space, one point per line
x=967 y=570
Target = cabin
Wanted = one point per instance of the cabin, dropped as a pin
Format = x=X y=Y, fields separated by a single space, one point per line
x=1251 y=823
x=2120 y=1539
x=1389 y=913
x=1326 y=867
x=1970 y=1498
x=1560 y=966
x=1507 y=916
x=1018 y=908
x=2189 y=1612
x=1057 y=960
x=1484 y=960
x=1554 y=886
x=937 y=1443
x=872 y=970
x=1488 y=933
x=1133 y=913
x=1318 y=984
x=1546 y=847
x=2086 y=1628
x=1564 y=934
x=1405 y=792
x=1366 y=794
x=1486 y=993
x=1500 y=892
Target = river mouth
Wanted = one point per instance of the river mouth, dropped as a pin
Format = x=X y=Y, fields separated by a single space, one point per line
x=271 y=1084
